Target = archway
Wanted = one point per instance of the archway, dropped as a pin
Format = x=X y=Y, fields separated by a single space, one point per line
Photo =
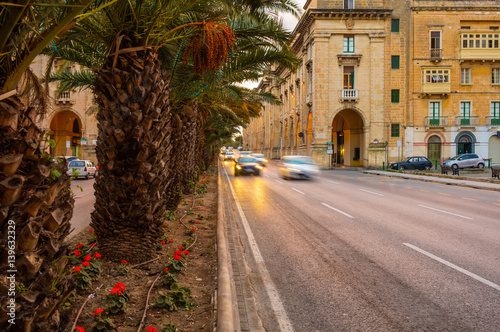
x=309 y=130
x=494 y=149
x=465 y=142
x=66 y=131
x=434 y=148
x=347 y=138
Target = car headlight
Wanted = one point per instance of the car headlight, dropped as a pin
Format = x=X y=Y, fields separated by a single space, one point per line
x=293 y=169
x=238 y=166
x=265 y=160
x=259 y=167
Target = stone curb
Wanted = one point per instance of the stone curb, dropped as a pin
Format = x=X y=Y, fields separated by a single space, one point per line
x=468 y=182
x=225 y=316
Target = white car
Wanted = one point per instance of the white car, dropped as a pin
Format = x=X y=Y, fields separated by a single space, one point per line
x=260 y=158
x=297 y=167
x=82 y=168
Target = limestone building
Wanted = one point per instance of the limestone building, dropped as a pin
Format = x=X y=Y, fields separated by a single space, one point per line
x=371 y=72
x=69 y=124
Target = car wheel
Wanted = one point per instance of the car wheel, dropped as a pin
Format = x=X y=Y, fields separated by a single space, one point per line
x=427 y=168
x=87 y=176
x=454 y=166
x=401 y=168
x=480 y=165
x=258 y=173
x=235 y=173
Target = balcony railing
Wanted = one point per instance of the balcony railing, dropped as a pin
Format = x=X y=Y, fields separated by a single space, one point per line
x=466 y=121
x=493 y=120
x=436 y=121
x=65 y=98
x=349 y=94
x=436 y=53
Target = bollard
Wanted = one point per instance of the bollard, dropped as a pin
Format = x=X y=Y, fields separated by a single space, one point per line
x=383 y=165
x=489 y=162
x=435 y=164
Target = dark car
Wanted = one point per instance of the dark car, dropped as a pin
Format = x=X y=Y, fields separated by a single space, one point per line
x=246 y=165
x=413 y=163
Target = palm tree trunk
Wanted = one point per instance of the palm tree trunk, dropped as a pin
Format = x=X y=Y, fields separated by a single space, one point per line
x=36 y=205
x=133 y=152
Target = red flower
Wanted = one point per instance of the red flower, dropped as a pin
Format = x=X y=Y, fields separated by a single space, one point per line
x=86 y=263
x=88 y=257
x=166 y=269
x=98 y=311
x=203 y=183
x=178 y=252
x=76 y=269
x=79 y=246
x=98 y=255
x=77 y=253
x=196 y=222
x=151 y=329
x=124 y=261
x=163 y=242
x=171 y=240
x=79 y=329
x=177 y=257
x=119 y=288
x=91 y=230
x=181 y=247
x=186 y=252
x=92 y=244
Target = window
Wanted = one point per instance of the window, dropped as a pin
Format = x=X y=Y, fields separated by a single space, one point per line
x=348 y=77
x=395 y=96
x=348 y=43
x=495 y=75
x=465 y=113
x=395 y=130
x=395 y=62
x=395 y=25
x=435 y=44
x=476 y=40
x=465 y=76
x=434 y=113
x=495 y=113
x=348 y=4
x=436 y=76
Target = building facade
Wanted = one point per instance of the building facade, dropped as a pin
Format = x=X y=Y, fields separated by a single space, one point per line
x=70 y=123
x=364 y=92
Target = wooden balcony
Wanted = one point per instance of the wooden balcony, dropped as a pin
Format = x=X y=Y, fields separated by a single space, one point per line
x=436 y=88
x=479 y=45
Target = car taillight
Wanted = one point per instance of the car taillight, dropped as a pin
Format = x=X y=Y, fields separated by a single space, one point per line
x=85 y=170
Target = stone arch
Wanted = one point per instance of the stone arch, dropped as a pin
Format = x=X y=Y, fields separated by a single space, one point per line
x=66 y=130
x=348 y=136
x=466 y=142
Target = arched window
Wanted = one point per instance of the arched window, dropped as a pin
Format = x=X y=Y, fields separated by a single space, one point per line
x=434 y=148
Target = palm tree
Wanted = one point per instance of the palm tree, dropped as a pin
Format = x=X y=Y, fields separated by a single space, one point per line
x=36 y=203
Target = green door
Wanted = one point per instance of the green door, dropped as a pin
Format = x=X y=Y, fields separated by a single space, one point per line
x=435 y=113
x=465 y=113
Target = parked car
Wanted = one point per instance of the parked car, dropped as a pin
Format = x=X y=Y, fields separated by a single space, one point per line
x=82 y=168
x=412 y=163
x=245 y=153
x=246 y=165
x=466 y=160
x=297 y=167
x=260 y=158
x=229 y=156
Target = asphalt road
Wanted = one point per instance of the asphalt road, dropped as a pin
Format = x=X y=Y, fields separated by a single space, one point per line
x=353 y=252
x=84 y=204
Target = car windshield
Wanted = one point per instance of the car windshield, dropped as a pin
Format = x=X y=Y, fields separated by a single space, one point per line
x=229 y=153
x=455 y=158
x=256 y=155
x=298 y=161
x=77 y=164
x=247 y=160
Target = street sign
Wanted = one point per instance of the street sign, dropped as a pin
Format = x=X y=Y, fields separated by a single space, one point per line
x=375 y=141
x=83 y=141
x=68 y=144
x=329 y=151
x=399 y=143
x=329 y=142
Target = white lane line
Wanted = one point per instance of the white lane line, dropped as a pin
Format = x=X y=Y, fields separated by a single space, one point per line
x=267 y=176
x=371 y=192
x=453 y=214
x=334 y=209
x=278 y=181
x=332 y=182
x=272 y=292
x=453 y=266
x=300 y=192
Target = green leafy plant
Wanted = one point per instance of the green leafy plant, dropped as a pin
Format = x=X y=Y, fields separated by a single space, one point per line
x=21 y=288
x=190 y=231
x=169 y=280
x=66 y=305
x=94 y=269
x=164 y=301
x=82 y=278
x=117 y=298
x=200 y=216
x=170 y=215
x=123 y=269
x=102 y=323
x=180 y=297
x=190 y=211
x=169 y=328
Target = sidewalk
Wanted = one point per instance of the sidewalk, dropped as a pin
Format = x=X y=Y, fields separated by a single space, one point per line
x=472 y=180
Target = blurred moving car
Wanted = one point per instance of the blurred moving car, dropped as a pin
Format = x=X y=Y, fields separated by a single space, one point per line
x=297 y=167
x=229 y=156
x=82 y=168
x=68 y=158
x=412 y=163
x=260 y=158
x=467 y=160
x=246 y=165
x=245 y=153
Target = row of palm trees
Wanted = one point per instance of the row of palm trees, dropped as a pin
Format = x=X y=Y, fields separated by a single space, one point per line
x=166 y=76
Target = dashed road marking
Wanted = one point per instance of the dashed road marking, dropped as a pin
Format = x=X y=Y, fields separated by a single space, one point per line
x=425 y=191
x=371 y=192
x=332 y=182
x=300 y=192
x=339 y=211
x=470 y=199
x=444 y=194
x=453 y=266
x=278 y=181
x=408 y=187
x=442 y=211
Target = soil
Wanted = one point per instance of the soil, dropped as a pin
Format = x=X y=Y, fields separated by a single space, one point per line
x=199 y=275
